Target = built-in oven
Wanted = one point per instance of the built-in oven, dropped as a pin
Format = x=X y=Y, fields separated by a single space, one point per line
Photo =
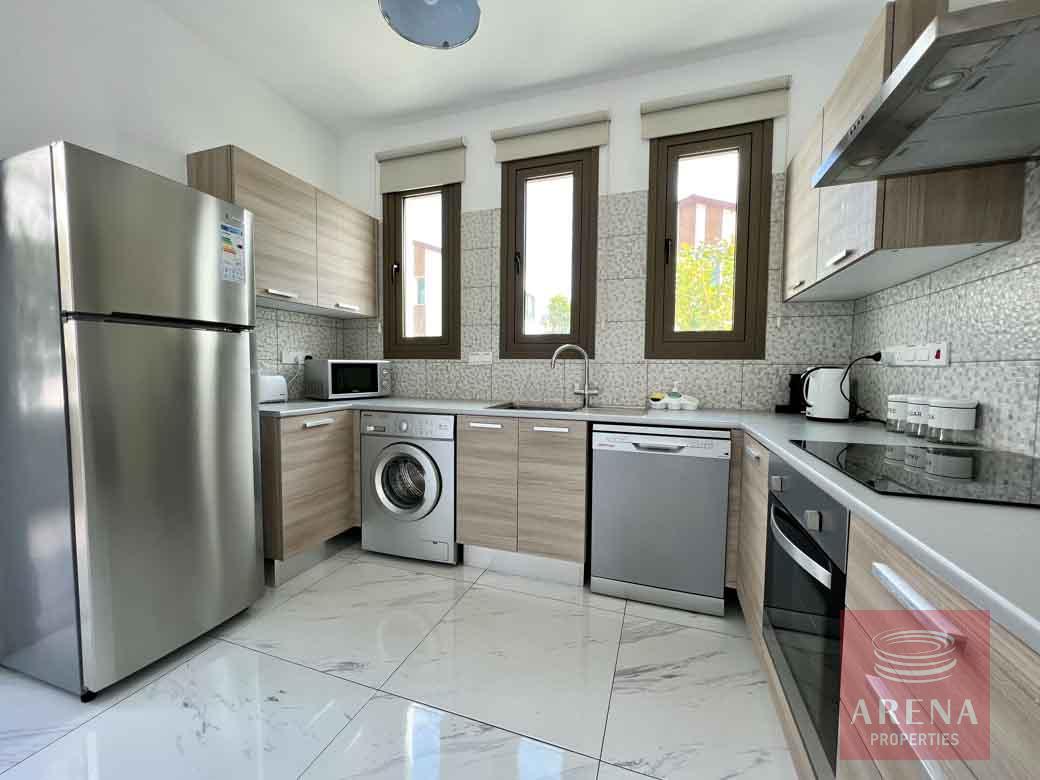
x=806 y=550
x=335 y=380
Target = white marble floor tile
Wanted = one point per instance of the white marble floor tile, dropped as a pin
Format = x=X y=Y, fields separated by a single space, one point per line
x=395 y=739
x=611 y=772
x=34 y=714
x=274 y=597
x=358 y=624
x=572 y=594
x=536 y=666
x=732 y=623
x=460 y=572
x=692 y=704
x=228 y=713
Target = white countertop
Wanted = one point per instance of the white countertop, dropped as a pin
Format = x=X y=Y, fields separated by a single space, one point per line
x=987 y=552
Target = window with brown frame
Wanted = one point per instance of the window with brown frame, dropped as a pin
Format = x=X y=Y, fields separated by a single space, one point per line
x=708 y=243
x=421 y=272
x=549 y=212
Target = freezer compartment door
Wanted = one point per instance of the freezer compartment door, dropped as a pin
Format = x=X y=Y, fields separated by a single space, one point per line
x=659 y=519
x=167 y=523
x=133 y=242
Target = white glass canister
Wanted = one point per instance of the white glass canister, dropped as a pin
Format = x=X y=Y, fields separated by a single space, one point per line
x=917 y=416
x=952 y=420
x=895 y=418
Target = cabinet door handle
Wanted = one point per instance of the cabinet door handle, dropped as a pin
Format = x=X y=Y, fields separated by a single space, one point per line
x=349 y=307
x=931 y=769
x=549 y=429
x=281 y=293
x=752 y=453
x=923 y=611
x=843 y=255
x=319 y=423
x=489 y=426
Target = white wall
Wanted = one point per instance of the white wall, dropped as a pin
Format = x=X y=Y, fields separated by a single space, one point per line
x=126 y=79
x=815 y=65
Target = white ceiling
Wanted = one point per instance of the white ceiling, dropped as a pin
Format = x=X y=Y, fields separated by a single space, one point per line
x=339 y=62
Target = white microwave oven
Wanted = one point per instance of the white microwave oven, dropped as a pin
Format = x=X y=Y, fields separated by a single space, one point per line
x=335 y=380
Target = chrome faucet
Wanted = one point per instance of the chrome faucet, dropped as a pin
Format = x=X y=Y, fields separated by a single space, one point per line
x=586 y=392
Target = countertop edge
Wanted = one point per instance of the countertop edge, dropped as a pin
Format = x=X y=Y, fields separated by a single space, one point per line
x=839 y=486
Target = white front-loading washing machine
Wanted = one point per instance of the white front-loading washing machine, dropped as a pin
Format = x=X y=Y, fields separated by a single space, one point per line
x=408 y=485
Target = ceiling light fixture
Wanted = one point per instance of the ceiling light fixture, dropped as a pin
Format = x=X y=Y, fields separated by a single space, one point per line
x=944 y=81
x=438 y=24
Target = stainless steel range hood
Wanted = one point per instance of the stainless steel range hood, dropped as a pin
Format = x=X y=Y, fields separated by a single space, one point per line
x=967 y=92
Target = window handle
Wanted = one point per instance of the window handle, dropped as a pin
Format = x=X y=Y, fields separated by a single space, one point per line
x=395 y=269
x=668 y=245
x=516 y=263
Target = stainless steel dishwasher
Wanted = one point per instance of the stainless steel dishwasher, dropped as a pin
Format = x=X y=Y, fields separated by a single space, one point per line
x=659 y=503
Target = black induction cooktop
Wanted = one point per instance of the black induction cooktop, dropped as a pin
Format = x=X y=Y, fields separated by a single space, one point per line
x=956 y=474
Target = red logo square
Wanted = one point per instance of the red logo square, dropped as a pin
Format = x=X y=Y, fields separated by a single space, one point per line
x=915 y=685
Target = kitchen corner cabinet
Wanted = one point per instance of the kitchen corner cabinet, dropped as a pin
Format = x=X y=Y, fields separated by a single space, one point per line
x=310 y=250
x=522 y=485
x=887 y=230
x=751 y=550
x=309 y=495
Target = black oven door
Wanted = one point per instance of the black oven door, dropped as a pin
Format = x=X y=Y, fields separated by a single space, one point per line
x=804 y=599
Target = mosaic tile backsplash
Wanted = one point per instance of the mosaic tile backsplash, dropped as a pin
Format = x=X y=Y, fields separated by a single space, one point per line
x=799 y=335
x=988 y=309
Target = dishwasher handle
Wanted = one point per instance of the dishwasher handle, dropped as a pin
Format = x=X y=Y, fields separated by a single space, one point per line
x=665 y=448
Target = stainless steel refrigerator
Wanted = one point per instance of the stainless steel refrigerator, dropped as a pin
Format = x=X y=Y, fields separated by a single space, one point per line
x=129 y=473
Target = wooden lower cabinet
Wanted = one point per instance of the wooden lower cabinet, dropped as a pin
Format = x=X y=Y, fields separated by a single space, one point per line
x=486 y=481
x=751 y=554
x=308 y=493
x=551 y=488
x=1014 y=668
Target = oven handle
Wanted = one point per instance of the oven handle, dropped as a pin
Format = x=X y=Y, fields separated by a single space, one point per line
x=807 y=564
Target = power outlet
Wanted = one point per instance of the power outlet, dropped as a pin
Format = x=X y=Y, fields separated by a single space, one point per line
x=293 y=358
x=931 y=354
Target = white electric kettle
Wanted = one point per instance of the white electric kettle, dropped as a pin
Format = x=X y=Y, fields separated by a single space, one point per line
x=825 y=390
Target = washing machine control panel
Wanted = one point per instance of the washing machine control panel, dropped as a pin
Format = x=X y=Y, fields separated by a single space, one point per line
x=408 y=426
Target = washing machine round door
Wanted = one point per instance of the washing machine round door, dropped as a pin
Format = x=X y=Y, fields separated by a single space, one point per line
x=407 y=481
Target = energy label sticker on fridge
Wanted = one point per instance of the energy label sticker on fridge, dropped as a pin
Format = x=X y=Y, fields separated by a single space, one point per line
x=232 y=254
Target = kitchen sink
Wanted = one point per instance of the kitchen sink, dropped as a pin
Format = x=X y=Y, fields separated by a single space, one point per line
x=538 y=406
x=560 y=406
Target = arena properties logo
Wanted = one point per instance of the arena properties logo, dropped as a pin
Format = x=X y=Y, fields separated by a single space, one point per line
x=915 y=685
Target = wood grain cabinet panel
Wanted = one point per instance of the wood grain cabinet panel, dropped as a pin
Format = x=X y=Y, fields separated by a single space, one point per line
x=551 y=493
x=486 y=490
x=733 y=510
x=285 y=228
x=851 y=215
x=310 y=489
x=802 y=215
x=309 y=248
x=752 y=548
x=348 y=275
x=1014 y=669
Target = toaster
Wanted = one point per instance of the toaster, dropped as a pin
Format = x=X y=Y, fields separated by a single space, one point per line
x=273 y=389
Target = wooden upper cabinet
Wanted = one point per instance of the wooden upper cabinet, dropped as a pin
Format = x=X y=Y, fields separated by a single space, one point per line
x=309 y=248
x=802 y=215
x=284 y=228
x=851 y=215
x=551 y=488
x=487 y=481
x=348 y=272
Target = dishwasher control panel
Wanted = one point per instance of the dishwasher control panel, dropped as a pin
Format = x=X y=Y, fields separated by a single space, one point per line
x=644 y=440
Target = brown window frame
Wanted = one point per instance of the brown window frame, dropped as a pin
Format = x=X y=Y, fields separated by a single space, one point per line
x=747 y=340
x=583 y=164
x=447 y=346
